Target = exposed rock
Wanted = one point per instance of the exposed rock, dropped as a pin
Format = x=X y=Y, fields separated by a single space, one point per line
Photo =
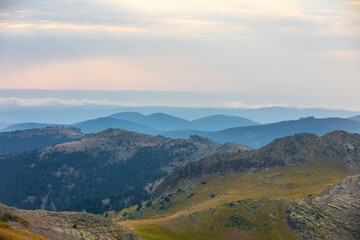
x=66 y=225
x=301 y=149
x=335 y=214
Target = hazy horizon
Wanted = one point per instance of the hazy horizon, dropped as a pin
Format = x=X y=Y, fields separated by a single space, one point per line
x=226 y=54
x=10 y=98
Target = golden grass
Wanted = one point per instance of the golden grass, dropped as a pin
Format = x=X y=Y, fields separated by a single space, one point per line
x=276 y=184
x=8 y=232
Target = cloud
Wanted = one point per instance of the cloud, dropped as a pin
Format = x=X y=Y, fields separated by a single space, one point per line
x=72 y=27
x=57 y=102
x=342 y=54
x=296 y=47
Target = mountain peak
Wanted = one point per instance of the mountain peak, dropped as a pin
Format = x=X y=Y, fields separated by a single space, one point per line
x=299 y=149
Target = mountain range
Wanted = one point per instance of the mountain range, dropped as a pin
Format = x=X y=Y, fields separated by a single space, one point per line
x=187 y=180
x=260 y=135
x=104 y=170
x=296 y=187
x=338 y=147
x=153 y=123
x=253 y=135
x=165 y=122
x=72 y=114
x=100 y=124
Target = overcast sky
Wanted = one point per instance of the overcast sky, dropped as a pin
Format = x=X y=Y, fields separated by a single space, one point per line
x=298 y=52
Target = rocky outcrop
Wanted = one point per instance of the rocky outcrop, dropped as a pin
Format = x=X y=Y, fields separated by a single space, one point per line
x=301 y=149
x=335 y=214
x=64 y=225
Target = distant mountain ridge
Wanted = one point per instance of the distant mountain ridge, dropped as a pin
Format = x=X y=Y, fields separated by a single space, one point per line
x=165 y=122
x=150 y=124
x=101 y=124
x=260 y=135
x=254 y=136
x=27 y=126
x=356 y=118
x=27 y=140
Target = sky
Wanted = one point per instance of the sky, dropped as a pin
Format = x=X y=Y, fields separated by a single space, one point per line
x=302 y=53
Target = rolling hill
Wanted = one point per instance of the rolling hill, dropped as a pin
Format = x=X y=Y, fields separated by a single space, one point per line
x=100 y=124
x=26 y=126
x=4 y=125
x=104 y=170
x=151 y=124
x=40 y=225
x=220 y=122
x=356 y=118
x=165 y=122
x=159 y=121
x=298 y=187
x=260 y=135
x=27 y=140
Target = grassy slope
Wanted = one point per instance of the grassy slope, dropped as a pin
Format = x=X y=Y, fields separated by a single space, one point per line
x=212 y=210
x=8 y=232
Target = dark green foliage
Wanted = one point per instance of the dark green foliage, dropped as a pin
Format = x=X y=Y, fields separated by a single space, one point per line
x=190 y=196
x=28 y=140
x=78 y=181
x=138 y=207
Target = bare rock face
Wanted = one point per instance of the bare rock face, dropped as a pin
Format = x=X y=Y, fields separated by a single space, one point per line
x=343 y=147
x=335 y=214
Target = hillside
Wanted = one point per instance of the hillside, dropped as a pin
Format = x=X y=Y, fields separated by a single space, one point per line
x=274 y=206
x=27 y=140
x=278 y=192
x=26 y=126
x=4 y=125
x=260 y=135
x=356 y=118
x=106 y=170
x=39 y=224
x=339 y=147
